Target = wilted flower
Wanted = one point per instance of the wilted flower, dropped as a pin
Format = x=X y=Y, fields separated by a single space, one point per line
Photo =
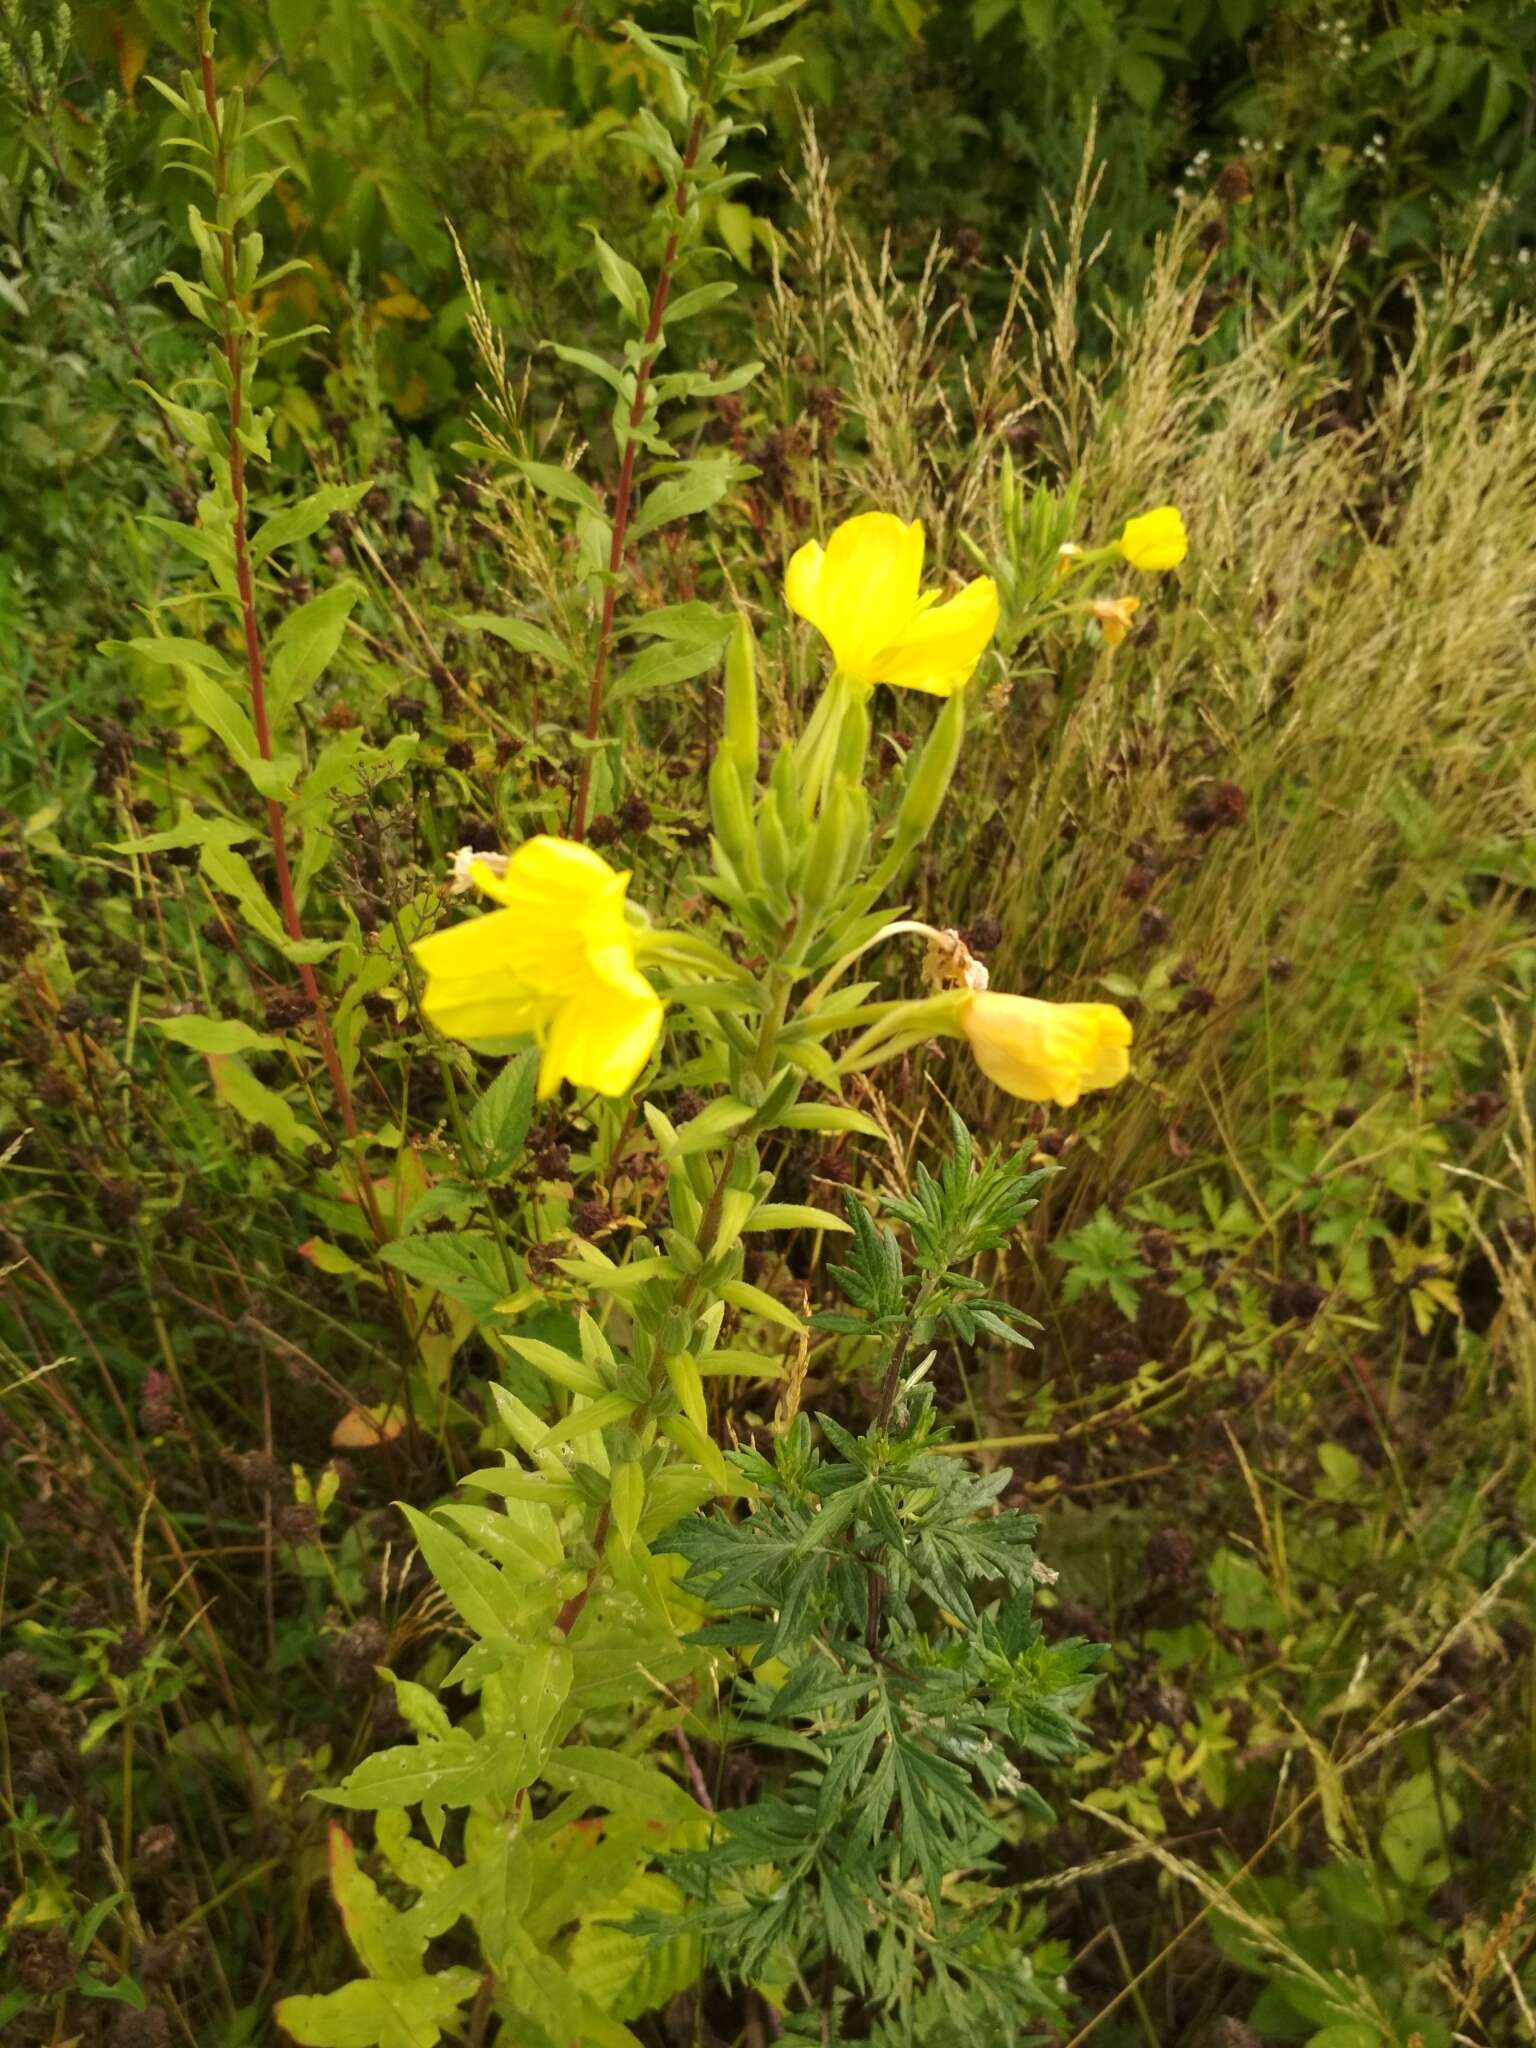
x=950 y=963
x=1114 y=615
x=861 y=594
x=462 y=878
x=1155 y=540
x=557 y=962
x=1047 y=1052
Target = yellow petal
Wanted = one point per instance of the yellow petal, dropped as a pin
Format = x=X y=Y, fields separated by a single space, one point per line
x=939 y=647
x=602 y=1039
x=802 y=582
x=557 y=961
x=1047 y=1052
x=1155 y=540
x=861 y=589
x=559 y=896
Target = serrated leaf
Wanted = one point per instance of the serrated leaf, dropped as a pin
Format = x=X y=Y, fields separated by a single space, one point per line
x=499 y=1122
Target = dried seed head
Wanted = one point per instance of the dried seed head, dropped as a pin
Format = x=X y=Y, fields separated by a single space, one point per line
x=1233 y=183
x=1171 y=1554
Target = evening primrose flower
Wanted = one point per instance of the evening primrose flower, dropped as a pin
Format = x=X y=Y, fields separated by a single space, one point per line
x=1114 y=615
x=1046 y=1052
x=556 y=962
x=861 y=594
x=1155 y=540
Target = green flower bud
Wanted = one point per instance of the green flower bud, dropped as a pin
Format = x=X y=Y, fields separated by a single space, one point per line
x=732 y=819
x=930 y=779
x=741 y=701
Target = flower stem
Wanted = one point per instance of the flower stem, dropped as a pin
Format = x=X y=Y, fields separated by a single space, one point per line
x=255 y=668
x=624 y=491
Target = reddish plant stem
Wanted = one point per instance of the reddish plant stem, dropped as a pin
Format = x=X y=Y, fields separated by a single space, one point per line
x=625 y=489
x=255 y=667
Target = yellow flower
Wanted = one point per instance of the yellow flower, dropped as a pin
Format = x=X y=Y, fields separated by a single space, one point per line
x=861 y=594
x=557 y=961
x=1047 y=1052
x=1114 y=615
x=1155 y=540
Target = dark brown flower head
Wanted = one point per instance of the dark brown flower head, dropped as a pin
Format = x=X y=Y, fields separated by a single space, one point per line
x=983 y=934
x=1233 y=183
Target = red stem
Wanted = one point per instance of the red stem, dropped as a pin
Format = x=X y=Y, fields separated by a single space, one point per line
x=244 y=583
x=627 y=470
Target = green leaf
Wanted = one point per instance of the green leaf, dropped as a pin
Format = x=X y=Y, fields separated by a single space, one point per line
x=231 y=872
x=1140 y=77
x=465 y=1265
x=700 y=485
x=553 y=481
x=574 y=1374
x=1413 y=1836
x=827 y=1116
x=297 y=522
x=474 y=1585
x=500 y=1120
x=171 y=652
x=794 y=1216
x=661 y=666
x=519 y=633
x=385 y=1945
x=367 y=2014
x=623 y=280
x=621 y=1784
x=596 y=366
x=215 y=1034
x=212 y=705
x=741 y=1294
x=304 y=646
x=237 y=1087
x=702 y=299
x=214 y=550
x=190 y=831
x=697 y=623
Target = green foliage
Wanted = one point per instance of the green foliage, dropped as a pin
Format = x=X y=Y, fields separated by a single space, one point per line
x=451 y=1471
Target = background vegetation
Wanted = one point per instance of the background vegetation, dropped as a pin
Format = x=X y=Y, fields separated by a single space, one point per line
x=1270 y=262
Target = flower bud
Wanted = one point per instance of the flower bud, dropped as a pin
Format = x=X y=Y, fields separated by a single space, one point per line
x=741 y=701
x=732 y=820
x=930 y=779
